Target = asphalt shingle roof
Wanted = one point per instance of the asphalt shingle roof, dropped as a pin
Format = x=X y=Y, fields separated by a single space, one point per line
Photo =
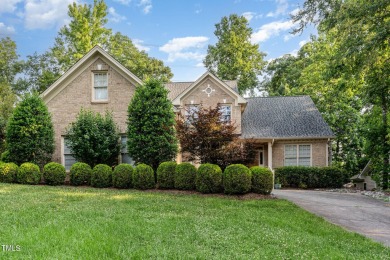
x=176 y=88
x=283 y=117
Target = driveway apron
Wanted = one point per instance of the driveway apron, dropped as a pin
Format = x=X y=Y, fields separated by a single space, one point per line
x=353 y=211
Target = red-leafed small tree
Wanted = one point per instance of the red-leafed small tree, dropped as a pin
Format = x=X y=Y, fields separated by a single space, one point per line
x=205 y=138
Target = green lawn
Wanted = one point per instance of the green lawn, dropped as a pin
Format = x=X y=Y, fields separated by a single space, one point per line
x=87 y=223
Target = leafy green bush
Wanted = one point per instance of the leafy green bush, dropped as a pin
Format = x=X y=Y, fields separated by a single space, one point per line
x=237 y=179
x=101 y=176
x=5 y=157
x=30 y=133
x=80 y=174
x=143 y=177
x=54 y=173
x=185 y=175
x=166 y=175
x=93 y=138
x=8 y=172
x=29 y=173
x=262 y=180
x=209 y=178
x=311 y=177
x=122 y=176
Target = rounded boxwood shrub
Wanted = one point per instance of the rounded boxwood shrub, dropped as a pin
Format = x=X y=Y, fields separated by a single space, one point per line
x=166 y=175
x=209 y=178
x=54 y=173
x=101 y=176
x=8 y=172
x=185 y=174
x=29 y=173
x=143 y=177
x=262 y=180
x=122 y=176
x=237 y=179
x=80 y=174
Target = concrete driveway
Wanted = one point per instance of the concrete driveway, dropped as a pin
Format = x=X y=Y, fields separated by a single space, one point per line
x=353 y=211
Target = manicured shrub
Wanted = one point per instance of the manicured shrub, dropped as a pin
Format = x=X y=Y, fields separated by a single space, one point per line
x=185 y=175
x=122 y=176
x=209 y=178
x=237 y=179
x=166 y=175
x=29 y=173
x=80 y=174
x=8 y=172
x=311 y=177
x=262 y=180
x=54 y=173
x=101 y=176
x=143 y=177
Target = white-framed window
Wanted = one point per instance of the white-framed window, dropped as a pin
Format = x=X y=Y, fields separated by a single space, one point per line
x=297 y=155
x=125 y=158
x=68 y=159
x=191 y=113
x=261 y=156
x=226 y=113
x=100 y=86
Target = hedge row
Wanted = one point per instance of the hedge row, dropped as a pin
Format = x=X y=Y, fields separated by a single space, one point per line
x=209 y=178
x=311 y=177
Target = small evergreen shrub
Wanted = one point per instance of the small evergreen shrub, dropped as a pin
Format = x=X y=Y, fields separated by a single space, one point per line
x=143 y=177
x=166 y=175
x=8 y=172
x=101 y=176
x=237 y=179
x=122 y=176
x=262 y=180
x=29 y=173
x=185 y=175
x=54 y=173
x=209 y=178
x=80 y=174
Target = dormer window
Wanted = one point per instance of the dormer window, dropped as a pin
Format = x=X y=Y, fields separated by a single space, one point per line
x=100 y=86
x=226 y=113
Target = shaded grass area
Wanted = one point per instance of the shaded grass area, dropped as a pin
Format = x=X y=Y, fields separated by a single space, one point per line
x=87 y=223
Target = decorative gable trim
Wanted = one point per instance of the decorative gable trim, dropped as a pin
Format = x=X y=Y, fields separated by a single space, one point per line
x=238 y=99
x=88 y=59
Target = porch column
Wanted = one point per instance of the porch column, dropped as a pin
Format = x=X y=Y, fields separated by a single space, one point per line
x=270 y=155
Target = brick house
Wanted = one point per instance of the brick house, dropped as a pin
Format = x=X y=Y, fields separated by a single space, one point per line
x=287 y=130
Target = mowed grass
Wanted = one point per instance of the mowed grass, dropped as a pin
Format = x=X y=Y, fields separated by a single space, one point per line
x=87 y=223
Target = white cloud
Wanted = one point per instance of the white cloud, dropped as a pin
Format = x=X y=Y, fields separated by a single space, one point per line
x=249 y=15
x=8 y=6
x=271 y=29
x=124 y=2
x=295 y=11
x=281 y=8
x=115 y=17
x=146 y=5
x=4 y=29
x=185 y=48
x=139 y=45
x=301 y=43
x=46 y=13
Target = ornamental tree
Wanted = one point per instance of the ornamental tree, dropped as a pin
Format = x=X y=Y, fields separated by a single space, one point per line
x=151 y=125
x=94 y=138
x=205 y=138
x=30 y=134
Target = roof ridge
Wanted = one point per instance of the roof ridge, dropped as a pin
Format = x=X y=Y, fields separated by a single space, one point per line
x=278 y=96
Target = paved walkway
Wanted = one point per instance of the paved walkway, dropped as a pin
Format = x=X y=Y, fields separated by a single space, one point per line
x=355 y=212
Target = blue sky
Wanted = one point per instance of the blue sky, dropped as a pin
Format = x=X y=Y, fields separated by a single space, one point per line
x=175 y=31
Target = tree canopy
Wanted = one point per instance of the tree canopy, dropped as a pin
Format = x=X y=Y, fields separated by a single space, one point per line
x=234 y=57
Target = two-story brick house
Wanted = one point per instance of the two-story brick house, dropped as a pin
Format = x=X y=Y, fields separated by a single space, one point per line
x=287 y=130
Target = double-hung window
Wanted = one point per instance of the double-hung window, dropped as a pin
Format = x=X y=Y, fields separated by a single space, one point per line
x=100 y=86
x=226 y=113
x=297 y=155
x=191 y=113
x=69 y=160
x=125 y=158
